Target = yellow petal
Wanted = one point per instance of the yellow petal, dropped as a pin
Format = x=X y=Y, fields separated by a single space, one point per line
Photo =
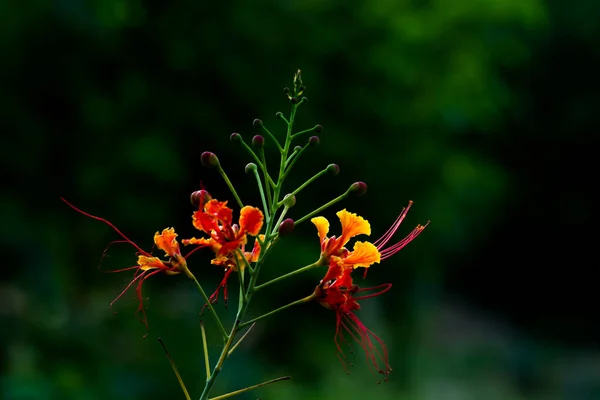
x=363 y=255
x=352 y=225
x=322 y=226
x=147 y=263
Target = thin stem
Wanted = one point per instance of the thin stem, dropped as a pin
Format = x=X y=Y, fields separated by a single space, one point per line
x=293 y=303
x=293 y=160
x=258 y=161
x=290 y=274
x=266 y=175
x=185 y=392
x=268 y=132
x=323 y=207
x=304 y=131
x=224 y=396
x=205 y=345
x=305 y=184
x=240 y=340
x=228 y=182
x=280 y=220
x=262 y=193
x=208 y=302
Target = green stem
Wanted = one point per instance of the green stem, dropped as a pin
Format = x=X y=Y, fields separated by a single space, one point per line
x=205 y=346
x=280 y=220
x=319 y=263
x=224 y=396
x=304 y=131
x=268 y=187
x=208 y=302
x=240 y=340
x=185 y=392
x=305 y=184
x=323 y=207
x=264 y=128
x=228 y=182
x=293 y=161
x=293 y=303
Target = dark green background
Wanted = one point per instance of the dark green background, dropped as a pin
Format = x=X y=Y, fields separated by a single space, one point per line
x=481 y=111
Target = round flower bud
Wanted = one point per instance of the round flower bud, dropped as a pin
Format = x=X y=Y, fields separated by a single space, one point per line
x=279 y=115
x=333 y=169
x=257 y=123
x=358 y=188
x=318 y=128
x=258 y=141
x=289 y=201
x=209 y=159
x=250 y=168
x=313 y=140
x=297 y=149
x=235 y=137
x=286 y=227
x=199 y=198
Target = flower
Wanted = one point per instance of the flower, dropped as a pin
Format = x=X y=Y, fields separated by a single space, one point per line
x=333 y=252
x=225 y=239
x=342 y=296
x=148 y=265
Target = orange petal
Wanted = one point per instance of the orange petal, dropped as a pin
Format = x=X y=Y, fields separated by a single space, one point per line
x=352 y=225
x=363 y=255
x=322 y=227
x=214 y=245
x=219 y=210
x=253 y=256
x=251 y=220
x=167 y=242
x=147 y=263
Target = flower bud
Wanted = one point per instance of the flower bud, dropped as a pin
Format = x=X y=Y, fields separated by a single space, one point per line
x=209 y=159
x=318 y=128
x=286 y=90
x=279 y=115
x=297 y=149
x=257 y=123
x=250 y=168
x=358 y=188
x=258 y=141
x=304 y=99
x=286 y=227
x=313 y=140
x=294 y=100
x=334 y=169
x=199 y=198
x=235 y=137
x=289 y=201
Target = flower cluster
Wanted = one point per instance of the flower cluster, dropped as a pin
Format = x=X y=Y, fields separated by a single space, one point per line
x=240 y=246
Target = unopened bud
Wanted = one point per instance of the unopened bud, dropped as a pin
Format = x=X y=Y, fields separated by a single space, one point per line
x=257 y=123
x=258 y=141
x=318 y=128
x=334 y=169
x=279 y=115
x=304 y=99
x=199 y=198
x=209 y=159
x=286 y=90
x=358 y=188
x=297 y=149
x=286 y=227
x=250 y=168
x=289 y=201
x=313 y=140
x=294 y=100
x=235 y=137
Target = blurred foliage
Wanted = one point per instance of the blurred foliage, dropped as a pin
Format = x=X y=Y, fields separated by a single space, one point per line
x=479 y=111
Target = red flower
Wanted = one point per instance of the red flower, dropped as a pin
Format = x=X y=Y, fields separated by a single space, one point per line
x=147 y=264
x=342 y=296
x=225 y=238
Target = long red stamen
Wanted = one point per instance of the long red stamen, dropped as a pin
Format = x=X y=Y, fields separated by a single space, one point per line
x=350 y=322
x=381 y=290
x=107 y=223
x=382 y=241
x=393 y=249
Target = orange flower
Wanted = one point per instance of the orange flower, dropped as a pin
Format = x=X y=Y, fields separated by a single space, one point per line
x=147 y=264
x=342 y=296
x=214 y=218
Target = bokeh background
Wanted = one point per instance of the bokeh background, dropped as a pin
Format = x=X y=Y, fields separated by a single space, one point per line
x=481 y=111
